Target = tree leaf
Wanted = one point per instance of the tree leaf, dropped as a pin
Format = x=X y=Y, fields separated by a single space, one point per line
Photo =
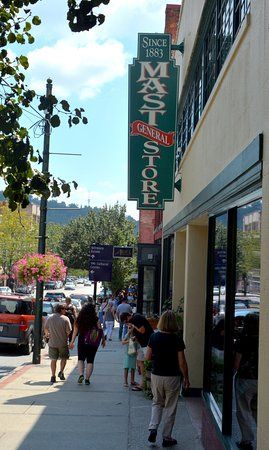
x=75 y=120
x=65 y=105
x=55 y=121
x=36 y=20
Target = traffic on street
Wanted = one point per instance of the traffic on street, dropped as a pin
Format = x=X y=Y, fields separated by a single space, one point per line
x=11 y=356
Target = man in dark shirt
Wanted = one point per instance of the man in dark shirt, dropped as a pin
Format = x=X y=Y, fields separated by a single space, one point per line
x=142 y=331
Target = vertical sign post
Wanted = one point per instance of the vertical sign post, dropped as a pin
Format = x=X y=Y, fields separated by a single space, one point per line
x=153 y=85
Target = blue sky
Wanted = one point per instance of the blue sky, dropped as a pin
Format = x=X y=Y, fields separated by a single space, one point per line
x=90 y=69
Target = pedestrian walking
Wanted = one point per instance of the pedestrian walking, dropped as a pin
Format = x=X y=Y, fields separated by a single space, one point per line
x=122 y=308
x=142 y=331
x=57 y=330
x=166 y=351
x=101 y=312
x=70 y=312
x=90 y=334
x=109 y=318
x=131 y=346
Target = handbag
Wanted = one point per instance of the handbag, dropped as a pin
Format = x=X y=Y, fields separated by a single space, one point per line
x=131 y=348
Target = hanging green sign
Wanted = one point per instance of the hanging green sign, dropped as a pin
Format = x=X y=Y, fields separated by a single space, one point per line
x=153 y=84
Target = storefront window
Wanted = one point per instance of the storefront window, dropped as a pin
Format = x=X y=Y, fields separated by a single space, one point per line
x=149 y=290
x=246 y=321
x=219 y=299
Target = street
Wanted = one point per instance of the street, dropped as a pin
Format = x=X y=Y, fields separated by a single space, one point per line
x=10 y=357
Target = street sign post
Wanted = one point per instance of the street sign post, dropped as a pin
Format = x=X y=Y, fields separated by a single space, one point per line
x=122 y=252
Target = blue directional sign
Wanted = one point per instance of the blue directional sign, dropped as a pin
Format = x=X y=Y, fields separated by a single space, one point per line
x=101 y=252
x=100 y=271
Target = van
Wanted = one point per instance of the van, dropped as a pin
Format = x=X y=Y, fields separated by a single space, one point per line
x=17 y=321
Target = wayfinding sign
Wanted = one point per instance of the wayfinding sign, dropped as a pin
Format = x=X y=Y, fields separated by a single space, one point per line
x=153 y=84
x=101 y=252
x=100 y=267
x=100 y=271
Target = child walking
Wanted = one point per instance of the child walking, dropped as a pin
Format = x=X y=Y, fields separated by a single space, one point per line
x=129 y=363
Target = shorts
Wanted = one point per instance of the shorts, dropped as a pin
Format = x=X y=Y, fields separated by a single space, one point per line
x=141 y=353
x=87 y=352
x=58 y=352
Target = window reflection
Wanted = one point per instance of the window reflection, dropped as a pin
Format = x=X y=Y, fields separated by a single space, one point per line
x=246 y=323
x=219 y=295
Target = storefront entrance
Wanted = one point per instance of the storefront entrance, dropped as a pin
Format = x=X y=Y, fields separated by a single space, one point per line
x=233 y=300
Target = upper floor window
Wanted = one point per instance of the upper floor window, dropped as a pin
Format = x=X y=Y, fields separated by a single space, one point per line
x=225 y=20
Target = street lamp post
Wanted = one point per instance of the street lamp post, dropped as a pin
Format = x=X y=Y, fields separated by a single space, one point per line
x=42 y=235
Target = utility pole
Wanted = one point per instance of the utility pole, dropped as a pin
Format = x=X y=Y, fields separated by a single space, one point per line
x=42 y=235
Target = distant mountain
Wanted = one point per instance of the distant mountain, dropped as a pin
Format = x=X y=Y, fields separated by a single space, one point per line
x=60 y=212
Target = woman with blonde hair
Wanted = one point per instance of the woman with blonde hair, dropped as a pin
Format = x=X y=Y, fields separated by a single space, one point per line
x=166 y=351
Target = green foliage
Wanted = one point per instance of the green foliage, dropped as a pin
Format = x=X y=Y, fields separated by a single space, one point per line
x=18 y=235
x=106 y=226
x=55 y=234
x=81 y=17
x=248 y=255
x=16 y=151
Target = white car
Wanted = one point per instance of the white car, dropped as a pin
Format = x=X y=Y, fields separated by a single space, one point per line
x=70 y=286
x=5 y=290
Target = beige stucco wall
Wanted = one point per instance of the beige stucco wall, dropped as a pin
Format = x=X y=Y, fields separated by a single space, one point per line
x=194 y=301
x=179 y=268
x=237 y=111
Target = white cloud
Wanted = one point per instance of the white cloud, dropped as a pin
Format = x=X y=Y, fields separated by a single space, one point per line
x=82 y=196
x=82 y=63
x=77 y=68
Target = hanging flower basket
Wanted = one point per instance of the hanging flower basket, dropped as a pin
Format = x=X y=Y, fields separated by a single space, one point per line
x=37 y=267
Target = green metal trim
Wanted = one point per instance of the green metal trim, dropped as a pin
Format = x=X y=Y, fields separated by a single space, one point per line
x=240 y=177
x=179 y=47
x=178 y=185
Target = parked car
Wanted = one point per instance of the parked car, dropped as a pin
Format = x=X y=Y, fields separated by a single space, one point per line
x=24 y=289
x=87 y=283
x=5 y=290
x=50 y=285
x=17 y=321
x=69 y=285
x=48 y=309
x=83 y=298
x=80 y=281
x=54 y=296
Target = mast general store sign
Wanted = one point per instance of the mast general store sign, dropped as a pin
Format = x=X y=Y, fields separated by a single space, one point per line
x=153 y=81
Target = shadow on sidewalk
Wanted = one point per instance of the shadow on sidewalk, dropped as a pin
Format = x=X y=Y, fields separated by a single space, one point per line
x=65 y=415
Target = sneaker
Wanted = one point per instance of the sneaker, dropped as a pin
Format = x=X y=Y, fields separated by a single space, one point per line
x=87 y=381
x=169 y=442
x=245 y=445
x=152 y=435
x=53 y=380
x=80 y=379
x=61 y=375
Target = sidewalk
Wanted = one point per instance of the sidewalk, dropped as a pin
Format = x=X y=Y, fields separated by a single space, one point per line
x=35 y=415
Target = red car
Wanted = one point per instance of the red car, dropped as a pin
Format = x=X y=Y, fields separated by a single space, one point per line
x=17 y=321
